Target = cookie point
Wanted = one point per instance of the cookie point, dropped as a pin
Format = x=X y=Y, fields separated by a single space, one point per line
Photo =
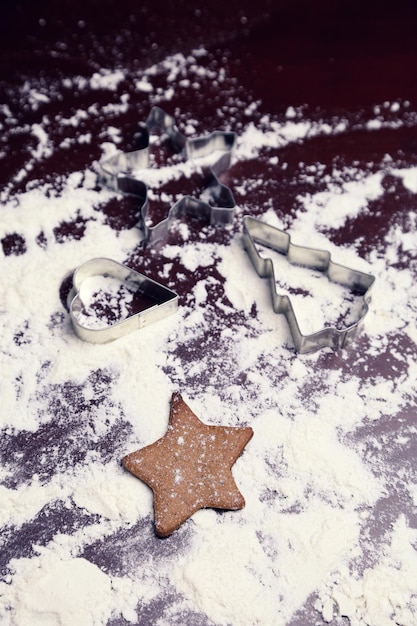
x=125 y=461
x=176 y=397
x=249 y=431
x=164 y=531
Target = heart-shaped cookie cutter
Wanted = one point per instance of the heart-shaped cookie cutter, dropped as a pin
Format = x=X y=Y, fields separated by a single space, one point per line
x=165 y=300
x=117 y=173
x=257 y=232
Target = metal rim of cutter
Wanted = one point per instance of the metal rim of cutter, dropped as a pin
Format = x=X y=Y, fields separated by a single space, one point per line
x=116 y=173
x=257 y=232
x=166 y=300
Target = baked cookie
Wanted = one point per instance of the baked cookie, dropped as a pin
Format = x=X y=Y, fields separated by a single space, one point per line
x=189 y=468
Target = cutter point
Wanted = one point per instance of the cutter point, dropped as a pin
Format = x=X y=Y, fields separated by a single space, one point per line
x=257 y=232
x=116 y=173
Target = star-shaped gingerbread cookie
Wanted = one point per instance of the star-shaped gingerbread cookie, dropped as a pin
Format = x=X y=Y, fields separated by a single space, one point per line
x=189 y=468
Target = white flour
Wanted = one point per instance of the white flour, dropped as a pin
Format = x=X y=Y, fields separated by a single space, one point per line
x=310 y=487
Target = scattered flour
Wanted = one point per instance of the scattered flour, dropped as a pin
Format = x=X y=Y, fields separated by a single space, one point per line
x=52 y=590
x=310 y=485
x=384 y=594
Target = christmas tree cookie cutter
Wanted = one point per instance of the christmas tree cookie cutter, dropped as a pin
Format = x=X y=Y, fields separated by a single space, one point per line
x=160 y=300
x=117 y=171
x=257 y=232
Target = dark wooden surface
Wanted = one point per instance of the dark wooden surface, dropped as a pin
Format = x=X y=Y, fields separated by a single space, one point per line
x=331 y=58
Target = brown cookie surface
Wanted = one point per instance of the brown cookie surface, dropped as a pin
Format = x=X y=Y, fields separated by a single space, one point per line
x=189 y=468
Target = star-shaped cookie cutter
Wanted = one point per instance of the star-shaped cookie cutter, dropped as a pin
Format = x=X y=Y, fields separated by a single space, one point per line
x=162 y=301
x=116 y=173
x=257 y=232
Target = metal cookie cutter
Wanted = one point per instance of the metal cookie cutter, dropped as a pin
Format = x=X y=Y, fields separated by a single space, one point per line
x=256 y=231
x=117 y=174
x=161 y=301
